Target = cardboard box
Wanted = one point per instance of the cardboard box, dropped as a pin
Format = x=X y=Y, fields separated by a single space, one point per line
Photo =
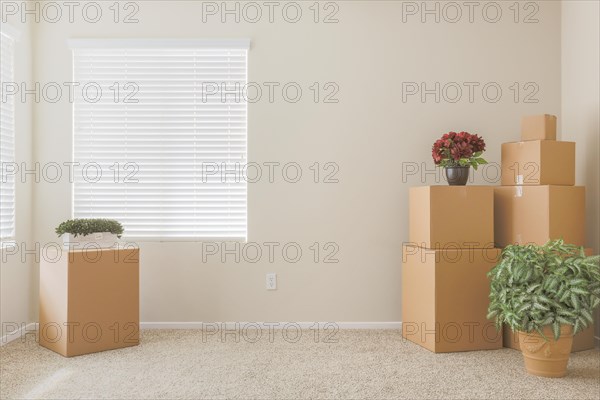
x=538 y=127
x=89 y=300
x=536 y=214
x=538 y=162
x=451 y=216
x=584 y=340
x=445 y=297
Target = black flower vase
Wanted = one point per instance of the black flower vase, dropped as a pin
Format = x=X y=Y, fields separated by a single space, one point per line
x=457 y=176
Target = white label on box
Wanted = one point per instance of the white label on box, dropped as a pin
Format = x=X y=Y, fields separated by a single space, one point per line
x=519 y=179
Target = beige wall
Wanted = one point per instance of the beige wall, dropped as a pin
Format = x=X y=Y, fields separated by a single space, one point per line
x=369 y=134
x=17 y=276
x=580 y=102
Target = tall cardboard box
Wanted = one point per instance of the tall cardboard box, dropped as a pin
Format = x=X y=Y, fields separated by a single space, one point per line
x=445 y=297
x=538 y=127
x=538 y=162
x=89 y=300
x=451 y=216
x=536 y=214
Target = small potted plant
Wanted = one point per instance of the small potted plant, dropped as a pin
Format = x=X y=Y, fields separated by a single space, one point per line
x=102 y=233
x=457 y=153
x=546 y=294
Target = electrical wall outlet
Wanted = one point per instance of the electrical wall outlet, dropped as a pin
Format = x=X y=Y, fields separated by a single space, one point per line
x=271 y=281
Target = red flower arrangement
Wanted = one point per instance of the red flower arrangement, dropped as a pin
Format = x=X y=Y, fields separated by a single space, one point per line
x=458 y=149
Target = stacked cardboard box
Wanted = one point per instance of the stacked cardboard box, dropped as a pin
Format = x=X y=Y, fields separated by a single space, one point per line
x=538 y=200
x=445 y=289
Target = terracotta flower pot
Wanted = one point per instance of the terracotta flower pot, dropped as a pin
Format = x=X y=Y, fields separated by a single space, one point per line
x=550 y=357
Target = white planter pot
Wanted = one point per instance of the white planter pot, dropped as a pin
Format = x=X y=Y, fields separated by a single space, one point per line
x=98 y=240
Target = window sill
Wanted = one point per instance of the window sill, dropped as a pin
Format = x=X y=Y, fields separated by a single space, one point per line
x=136 y=240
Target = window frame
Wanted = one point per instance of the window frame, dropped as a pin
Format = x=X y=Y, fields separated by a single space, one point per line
x=233 y=44
x=12 y=34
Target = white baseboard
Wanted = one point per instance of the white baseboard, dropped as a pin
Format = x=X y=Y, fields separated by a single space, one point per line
x=33 y=326
x=17 y=334
x=268 y=325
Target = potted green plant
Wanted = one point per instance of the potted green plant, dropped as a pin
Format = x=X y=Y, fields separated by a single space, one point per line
x=102 y=233
x=457 y=153
x=546 y=294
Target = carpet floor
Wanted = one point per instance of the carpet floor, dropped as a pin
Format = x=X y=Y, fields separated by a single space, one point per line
x=362 y=364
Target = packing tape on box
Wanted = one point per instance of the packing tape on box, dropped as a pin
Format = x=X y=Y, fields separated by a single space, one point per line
x=519 y=192
x=519 y=180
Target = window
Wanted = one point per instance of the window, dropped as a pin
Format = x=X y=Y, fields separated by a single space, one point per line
x=158 y=128
x=7 y=138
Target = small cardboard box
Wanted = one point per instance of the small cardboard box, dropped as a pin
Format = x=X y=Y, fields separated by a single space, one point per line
x=451 y=216
x=536 y=214
x=89 y=300
x=538 y=162
x=584 y=340
x=538 y=127
x=445 y=296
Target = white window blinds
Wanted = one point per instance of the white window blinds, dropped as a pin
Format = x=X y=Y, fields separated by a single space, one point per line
x=157 y=149
x=7 y=140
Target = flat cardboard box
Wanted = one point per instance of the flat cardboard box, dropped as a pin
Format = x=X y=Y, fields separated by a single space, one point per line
x=538 y=127
x=443 y=217
x=536 y=214
x=584 y=340
x=89 y=300
x=538 y=162
x=445 y=297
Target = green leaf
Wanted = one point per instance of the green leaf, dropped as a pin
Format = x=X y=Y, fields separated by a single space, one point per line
x=580 y=291
x=587 y=315
x=575 y=302
x=556 y=329
x=565 y=296
x=531 y=288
